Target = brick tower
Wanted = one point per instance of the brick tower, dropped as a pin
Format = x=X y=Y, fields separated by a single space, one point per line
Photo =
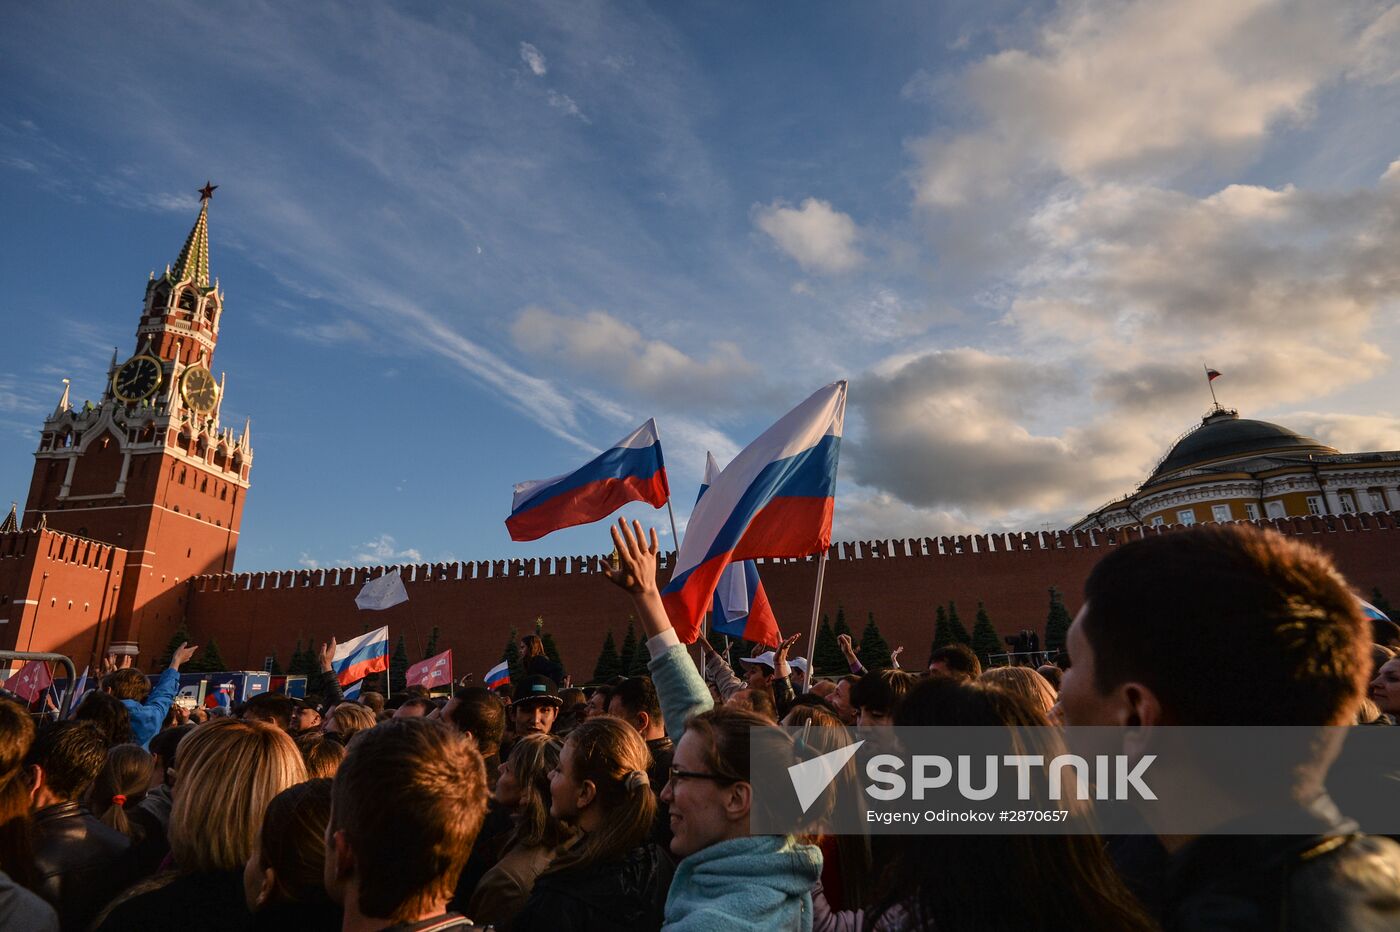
x=149 y=468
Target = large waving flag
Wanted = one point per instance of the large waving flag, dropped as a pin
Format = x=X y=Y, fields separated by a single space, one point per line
x=366 y=654
x=631 y=471
x=740 y=608
x=774 y=500
x=435 y=671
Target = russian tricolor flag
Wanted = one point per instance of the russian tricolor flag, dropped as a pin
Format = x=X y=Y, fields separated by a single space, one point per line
x=631 y=471
x=499 y=675
x=774 y=500
x=366 y=654
x=741 y=608
x=1371 y=612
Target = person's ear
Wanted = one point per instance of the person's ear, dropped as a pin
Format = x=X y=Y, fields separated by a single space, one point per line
x=738 y=801
x=269 y=883
x=587 y=792
x=1138 y=706
x=642 y=722
x=34 y=776
x=344 y=856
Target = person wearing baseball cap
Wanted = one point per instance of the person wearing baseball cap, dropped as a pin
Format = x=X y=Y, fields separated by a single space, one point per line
x=535 y=705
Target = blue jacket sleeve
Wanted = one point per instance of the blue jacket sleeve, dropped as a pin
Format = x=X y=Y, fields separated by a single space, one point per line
x=679 y=688
x=148 y=716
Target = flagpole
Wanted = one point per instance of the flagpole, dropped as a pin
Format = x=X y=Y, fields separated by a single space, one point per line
x=1210 y=383
x=816 y=613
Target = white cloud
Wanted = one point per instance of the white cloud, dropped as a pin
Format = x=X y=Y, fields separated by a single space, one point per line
x=820 y=238
x=601 y=345
x=565 y=104
x=944 y=431
x=1349 y=433
x=1148 y=88
x=533 y=59
x=385 y=550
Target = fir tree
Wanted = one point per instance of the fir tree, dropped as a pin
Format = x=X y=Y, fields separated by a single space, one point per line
x=955 y=625
x=826 y=658
x=841 y=627
x=431 y=649
x=609 y=664
x=181 y=636
x=1379 y=601
x=629 y=647
x=511 y=655
x=207 y=659
x=276 y=668
x=304 y=662
x=398 y=668
x=1057 y=622
x=640 y=657
x=942 y=634
x=874 y=653
x=985 y=640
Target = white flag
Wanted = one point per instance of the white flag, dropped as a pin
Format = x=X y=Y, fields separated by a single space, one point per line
x=381 y=593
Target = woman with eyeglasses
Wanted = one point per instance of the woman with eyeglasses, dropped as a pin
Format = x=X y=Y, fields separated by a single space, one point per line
x=727 y=877
x=609 y=877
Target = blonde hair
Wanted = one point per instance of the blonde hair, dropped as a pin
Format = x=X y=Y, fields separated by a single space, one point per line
x=1024 y=682
x=321 y=754
x=350 y=718
x=229 y=771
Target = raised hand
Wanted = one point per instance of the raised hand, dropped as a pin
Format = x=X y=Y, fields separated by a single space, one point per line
x=635 y=569
x=182 y=653
x=844 y=641
x=327 y=654
x=783 y=648
x=126 y=661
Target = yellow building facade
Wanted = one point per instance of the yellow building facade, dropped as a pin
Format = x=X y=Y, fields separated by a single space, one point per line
x=1230 y=468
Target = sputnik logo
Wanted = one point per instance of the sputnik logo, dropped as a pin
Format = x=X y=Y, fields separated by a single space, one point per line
x=811 y=778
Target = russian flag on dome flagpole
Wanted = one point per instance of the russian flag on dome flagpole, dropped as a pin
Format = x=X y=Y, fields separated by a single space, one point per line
x=632 y=470
x=741 y=608
x=357 y=658
x=774 y=500
x=499 y=675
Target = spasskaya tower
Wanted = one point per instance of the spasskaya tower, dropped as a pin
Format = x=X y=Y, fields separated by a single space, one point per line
x=149 y=468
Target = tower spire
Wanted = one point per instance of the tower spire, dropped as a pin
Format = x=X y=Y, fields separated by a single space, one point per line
x=193 y=261
x=11 y=524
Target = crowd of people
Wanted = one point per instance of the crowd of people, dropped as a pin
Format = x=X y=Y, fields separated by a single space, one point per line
x=628 y=805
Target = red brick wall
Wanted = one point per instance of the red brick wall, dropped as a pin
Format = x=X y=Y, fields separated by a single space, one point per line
x=57 y=592
x=901 y=582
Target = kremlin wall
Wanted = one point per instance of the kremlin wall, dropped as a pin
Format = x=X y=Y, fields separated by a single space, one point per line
x=134 y=514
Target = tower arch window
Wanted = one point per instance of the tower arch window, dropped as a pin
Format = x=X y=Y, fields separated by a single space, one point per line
x=187 y=300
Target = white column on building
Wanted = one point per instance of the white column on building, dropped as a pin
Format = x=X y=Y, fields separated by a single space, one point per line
x=1330 y=500
x=1392 y=497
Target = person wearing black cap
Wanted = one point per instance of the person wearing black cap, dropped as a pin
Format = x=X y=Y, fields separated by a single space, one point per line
x=533 y=708
x=306 y=717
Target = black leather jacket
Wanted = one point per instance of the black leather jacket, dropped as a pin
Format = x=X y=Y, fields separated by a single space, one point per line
x=81 y=863
x=1327 y=877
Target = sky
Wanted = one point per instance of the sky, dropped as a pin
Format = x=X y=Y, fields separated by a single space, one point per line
x=469 y=244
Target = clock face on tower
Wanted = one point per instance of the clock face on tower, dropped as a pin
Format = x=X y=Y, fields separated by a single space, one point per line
x=138 y=378
x=198 y=388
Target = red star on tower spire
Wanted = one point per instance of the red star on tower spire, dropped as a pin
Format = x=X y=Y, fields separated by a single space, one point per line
x=207 y=191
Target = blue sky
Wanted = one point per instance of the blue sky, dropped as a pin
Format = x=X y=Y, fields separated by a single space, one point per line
x=466 y=244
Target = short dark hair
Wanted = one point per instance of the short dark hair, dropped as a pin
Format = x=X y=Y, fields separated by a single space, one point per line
x=16 y=737
x=637 y=694
x=423 y=702
x=72 y=754
x=881 y=691
x=293 y=840
x=1210 y=617
x=959 y=659
x=1053 y=674
x=166 y=743
x=109 y=715
x=480 y=712
x=127 y=683
x=422 y=784
x=273 y=708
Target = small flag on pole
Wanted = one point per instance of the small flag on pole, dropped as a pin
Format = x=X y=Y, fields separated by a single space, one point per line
x=1371 y=612
x=31 y=680
x=366 y=654
x=1212 y=375
x=435 y=671
x=383 y=592
x=499 y=675
x=352 y=692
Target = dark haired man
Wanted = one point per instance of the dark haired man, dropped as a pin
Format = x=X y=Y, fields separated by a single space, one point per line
x=634 y=701
x=420 y=783
x=415 y=707
x=81 y=863
x=273 y=708
x=1234 y=625
x=956 y=661
x=477 y=713
x=148 y=707
x=535 y=705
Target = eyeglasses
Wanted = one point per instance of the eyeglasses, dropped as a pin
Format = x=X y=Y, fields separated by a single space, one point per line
x=675 y=773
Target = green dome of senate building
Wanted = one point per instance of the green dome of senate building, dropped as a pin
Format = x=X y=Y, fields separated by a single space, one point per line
x=1224 y=435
